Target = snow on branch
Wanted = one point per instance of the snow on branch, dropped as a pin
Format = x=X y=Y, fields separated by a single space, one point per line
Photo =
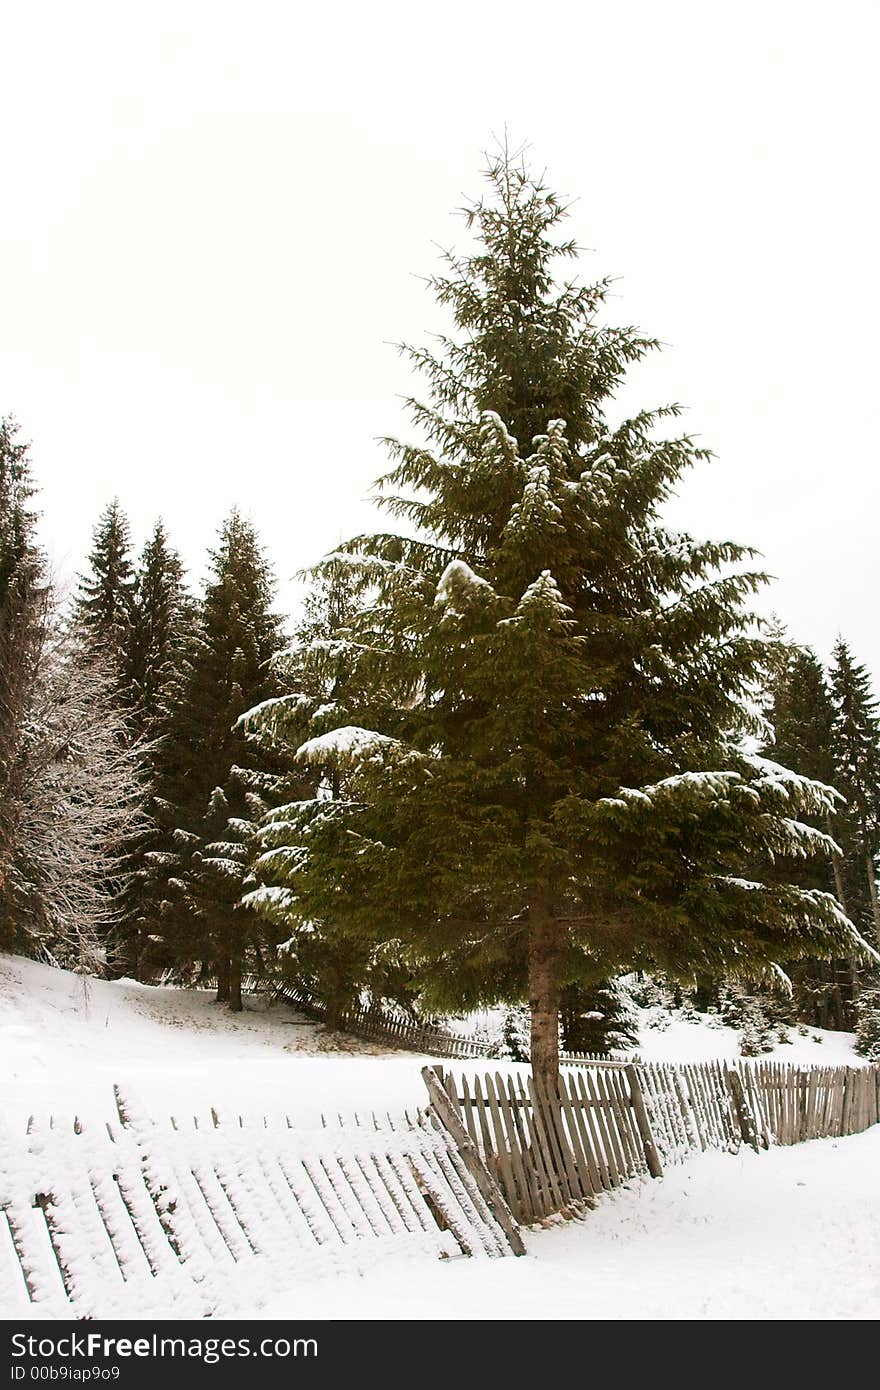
x=266 y=716
x=459 y=587
x=346 y=747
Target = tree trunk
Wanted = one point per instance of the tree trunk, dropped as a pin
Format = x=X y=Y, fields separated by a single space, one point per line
x=544 y=960
x=872 y=888
x=223 y=969
x=235 y=985
x=837 y=861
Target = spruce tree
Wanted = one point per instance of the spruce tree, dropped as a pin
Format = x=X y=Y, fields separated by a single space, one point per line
x=856 y=745
x=597 y=1018
x=548 y=782
x=162 y=616
x=104 y=602
x=205 y=758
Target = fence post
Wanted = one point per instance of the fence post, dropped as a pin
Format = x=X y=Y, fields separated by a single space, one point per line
x=450 y=1119
x=655 y=1167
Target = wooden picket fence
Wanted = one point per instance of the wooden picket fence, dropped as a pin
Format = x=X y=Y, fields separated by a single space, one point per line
x=555 y=1150
x=375 y=1025
x=395 y=1030
x=134 y=1218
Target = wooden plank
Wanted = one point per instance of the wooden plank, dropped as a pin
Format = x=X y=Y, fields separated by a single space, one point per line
x=520 y=1127
x=405 y=1167
x=589 y=1118
x=629 y=1127
x=689 y=1125
x=486 y=1143
x=479 y=1218
x=588 y=1172
x=600 y=1081
x=633 y=1157
x=604 y=1126
x=467 y=1109
x=545 y=1130
x=686 y=1074
x=554 y=1099
x=520 y=1204
x=15 y=1297
x=547 y=1198
x=662 y=1111
x=505 y=1164
x=652 y=1158
x=705 y=1108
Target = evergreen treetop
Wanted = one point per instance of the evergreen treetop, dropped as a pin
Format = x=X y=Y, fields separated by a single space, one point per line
x=163 y=615
x=104 y=602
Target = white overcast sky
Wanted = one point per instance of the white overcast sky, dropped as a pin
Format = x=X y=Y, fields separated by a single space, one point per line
x=214 y=216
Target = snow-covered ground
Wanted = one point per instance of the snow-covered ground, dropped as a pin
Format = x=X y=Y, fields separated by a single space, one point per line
x=794 y=1233
x=65 y=1040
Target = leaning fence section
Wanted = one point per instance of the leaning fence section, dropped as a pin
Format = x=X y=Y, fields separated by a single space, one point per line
x=133 y=1217
x=554 y=1149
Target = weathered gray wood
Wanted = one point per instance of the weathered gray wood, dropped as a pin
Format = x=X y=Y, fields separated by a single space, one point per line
x=591 y=1183
x=652 y=1158
x=502 y=1150
x=560 y=1194
x=741 y=1107
x=518 y=1131
x=449 y=1117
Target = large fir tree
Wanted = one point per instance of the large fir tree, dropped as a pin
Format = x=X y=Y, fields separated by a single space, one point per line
x=547 y=781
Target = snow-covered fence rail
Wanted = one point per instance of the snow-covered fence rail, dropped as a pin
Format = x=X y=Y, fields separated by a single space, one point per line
x=556 y=1149
x=129 y=1217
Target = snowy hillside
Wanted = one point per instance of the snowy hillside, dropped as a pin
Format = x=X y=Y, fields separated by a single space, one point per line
x=64 y=1041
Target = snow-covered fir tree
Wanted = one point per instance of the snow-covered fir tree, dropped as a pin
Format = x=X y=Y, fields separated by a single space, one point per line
x=597 y=1018
x=548 y=781
x=329 y=957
